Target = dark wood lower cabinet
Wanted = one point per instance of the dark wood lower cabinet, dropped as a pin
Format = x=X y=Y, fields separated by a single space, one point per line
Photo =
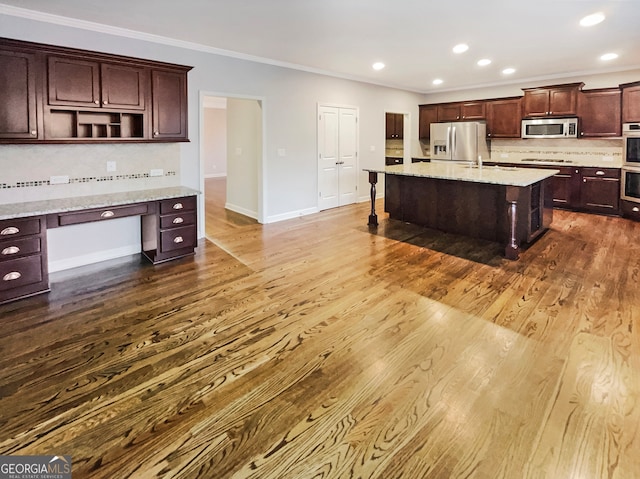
x=169 y=231
x=630 y=209
x=588 y=189
x=23 y=258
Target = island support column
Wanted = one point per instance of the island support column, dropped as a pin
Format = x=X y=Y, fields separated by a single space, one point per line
x=373 y=217
x=512 y=250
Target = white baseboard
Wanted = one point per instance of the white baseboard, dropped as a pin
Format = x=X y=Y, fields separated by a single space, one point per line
x=291 y=214
x=83 y=260
x=241 y=210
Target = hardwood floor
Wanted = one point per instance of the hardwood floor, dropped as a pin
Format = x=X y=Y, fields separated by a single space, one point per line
x=315 y=348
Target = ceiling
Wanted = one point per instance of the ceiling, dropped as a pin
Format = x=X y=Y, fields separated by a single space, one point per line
x=541 y=39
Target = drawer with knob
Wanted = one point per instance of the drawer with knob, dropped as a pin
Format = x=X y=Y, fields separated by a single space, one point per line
x=172 y=231
x=630 y=209
x=97 y=214
x=23 y=258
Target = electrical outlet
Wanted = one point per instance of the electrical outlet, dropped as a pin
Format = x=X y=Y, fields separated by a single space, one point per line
x=504 y=155
x=111 y=166
x=156 y=172
x=608 y=159
x=282 y=152
x=59 y=180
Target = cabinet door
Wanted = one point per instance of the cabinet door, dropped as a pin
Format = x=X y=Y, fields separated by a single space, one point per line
x=599 y=112
x=17 y=95
x=449 y=112
x=394 y=126
x=600 y=190
x=428 y=115
x=124 y=87
x=73 y=82
x=473 y=110
x=565 y=187
x=504 y=118
x=631 y=104
x=563 y=101
x=536 y=102
x=169 y=116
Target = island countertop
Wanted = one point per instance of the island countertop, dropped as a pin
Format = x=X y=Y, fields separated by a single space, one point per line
x=508 y=176
x=36 y=208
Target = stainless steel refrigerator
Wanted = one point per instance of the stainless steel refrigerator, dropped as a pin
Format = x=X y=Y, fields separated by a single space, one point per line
x=459 y=141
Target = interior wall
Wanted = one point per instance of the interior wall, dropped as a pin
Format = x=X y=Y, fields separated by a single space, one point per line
x=214 y=143
x=244 y=153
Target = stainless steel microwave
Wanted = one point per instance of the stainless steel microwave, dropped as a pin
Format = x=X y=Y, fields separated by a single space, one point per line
x=550 y=128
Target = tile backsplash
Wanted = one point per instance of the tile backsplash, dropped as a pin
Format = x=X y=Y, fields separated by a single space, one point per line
x=26 y=170
x=579 y=152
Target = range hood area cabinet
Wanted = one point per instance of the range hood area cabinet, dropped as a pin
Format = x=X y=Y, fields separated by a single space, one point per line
x=61 y=95
x=556 y=100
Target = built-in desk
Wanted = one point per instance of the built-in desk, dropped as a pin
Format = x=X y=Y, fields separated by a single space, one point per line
x=168 y=231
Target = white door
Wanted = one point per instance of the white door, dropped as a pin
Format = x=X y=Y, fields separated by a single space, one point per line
x=337 y=156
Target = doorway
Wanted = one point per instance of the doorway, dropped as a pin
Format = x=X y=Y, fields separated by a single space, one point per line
x=337 y=156
x=231 y=161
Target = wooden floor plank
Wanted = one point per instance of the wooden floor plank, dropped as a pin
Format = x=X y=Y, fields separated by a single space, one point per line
x=316 y=347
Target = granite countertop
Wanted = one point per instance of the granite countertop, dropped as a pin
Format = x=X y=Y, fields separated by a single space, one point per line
x=559 y=162
x=508 y=176
x=37 y=208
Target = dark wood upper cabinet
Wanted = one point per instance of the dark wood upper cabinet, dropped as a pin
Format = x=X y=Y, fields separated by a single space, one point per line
x=449 y=112
x=124 y=87
x=394 y=126
x=504 y=117
x=630 y=102
x=18 y=96
x=73 y=82
x=558 y=100
x=428 y=115
x=169 y=113
x=473 y=110
x=62 y=95
x=600 y=112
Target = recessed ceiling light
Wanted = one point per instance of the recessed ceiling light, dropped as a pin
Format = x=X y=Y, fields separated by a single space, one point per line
x=437 y=81
x=484 y=62
x=508 y=71
x=593 y=19
x=378 y=66
x=609 y=56
x=460 y=48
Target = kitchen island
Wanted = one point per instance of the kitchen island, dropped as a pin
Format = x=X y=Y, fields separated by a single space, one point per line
x=502 y=204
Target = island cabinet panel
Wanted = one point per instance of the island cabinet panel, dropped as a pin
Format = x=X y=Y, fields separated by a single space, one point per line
x=428 y=115
x=600 y=113
x=504 y=118
x=18 y=95
x=630 y=102
x=473 y=209
x=23 y=258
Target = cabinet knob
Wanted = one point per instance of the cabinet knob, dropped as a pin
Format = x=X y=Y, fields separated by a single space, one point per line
x=107 y=214
x=155 y=133
x=33 y=132
x=178 y=220
x=582 y=133
x=105 y=102
x=178 y=239
x=635 y=209
x=600 y=173
x=11 y=276
x=11 y=230
x=96 y=102
x=178 y=206
x=10 y=250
